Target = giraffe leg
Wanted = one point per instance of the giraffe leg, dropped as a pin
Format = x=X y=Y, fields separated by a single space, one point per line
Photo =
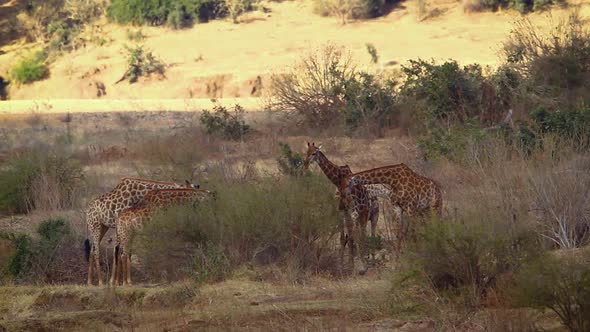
x=129 y=269
x=123 y=262
x=397 y=219
x=350 y=240
x=116 y=265
x=90 y=266
x=96 y=245
x=342 y=243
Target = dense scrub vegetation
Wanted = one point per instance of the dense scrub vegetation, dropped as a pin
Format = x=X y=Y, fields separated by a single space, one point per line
x=175 y=13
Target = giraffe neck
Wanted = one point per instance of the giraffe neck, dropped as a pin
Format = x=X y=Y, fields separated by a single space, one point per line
x=331 y=170
x=162 y=198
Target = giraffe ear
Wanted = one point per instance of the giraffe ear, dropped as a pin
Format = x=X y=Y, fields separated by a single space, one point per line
x=320 y=147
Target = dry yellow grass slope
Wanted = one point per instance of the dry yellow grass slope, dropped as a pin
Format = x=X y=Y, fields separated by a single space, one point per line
x=221 y=59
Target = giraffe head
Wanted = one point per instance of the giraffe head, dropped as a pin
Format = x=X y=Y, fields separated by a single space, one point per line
x=311 y=154
x=188 y=184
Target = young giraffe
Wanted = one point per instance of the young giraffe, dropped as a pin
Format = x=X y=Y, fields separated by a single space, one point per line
x=102 y=211
x=132 y=219
x=412 y=193
x=336 y=174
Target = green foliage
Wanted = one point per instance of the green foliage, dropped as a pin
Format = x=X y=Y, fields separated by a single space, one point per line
x=443 y=92
x=141 y=62
x=52 y=230
x=294 y=215
x=20 y=261
x=211 y=264
x=229 y=125
x=39 y=180
x=451 y=142
x=324 y=88
x=372 y=52
x=61 y=35
x=369 y=102
x=559 y=284
x=36 y=259
x=30 y=69
x=572 y=124
x=175 y=13
x=290 y=163
x=351 y=9
x=466 y=257
x=523 y=6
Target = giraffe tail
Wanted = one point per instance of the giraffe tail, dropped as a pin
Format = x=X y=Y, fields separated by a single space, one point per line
x=87 y=250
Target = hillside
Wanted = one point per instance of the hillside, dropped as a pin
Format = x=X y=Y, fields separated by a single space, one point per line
x=221 y=59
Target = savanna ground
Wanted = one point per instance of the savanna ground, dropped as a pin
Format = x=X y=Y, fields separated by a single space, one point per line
x=508 y=251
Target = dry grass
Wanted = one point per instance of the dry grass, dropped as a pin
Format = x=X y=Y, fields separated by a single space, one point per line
x=236 y=303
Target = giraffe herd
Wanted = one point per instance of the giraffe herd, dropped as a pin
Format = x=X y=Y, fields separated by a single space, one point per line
x=133 y=202
x=408 y=192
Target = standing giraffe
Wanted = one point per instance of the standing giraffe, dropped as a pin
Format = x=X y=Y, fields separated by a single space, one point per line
x=336 y=174
x=132 y=219
x=102 y=211
x=412 y=193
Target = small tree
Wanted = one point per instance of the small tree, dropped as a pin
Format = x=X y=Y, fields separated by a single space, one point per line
x=314 y=87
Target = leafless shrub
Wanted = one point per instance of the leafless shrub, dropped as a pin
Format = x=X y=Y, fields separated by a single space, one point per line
x=313 y=88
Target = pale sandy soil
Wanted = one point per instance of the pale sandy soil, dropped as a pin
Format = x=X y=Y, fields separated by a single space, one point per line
x=221 y=59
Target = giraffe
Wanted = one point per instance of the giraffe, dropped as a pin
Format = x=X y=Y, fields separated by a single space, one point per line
x=412 y=193
x=336 y=174
x=132 y=219
x=102 y=211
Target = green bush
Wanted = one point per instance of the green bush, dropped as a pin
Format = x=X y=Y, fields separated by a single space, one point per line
x=19 y=262
x=39 y=180
x=369 y=103
x=466 y=257
x=451 y=142
x=175 y=13
x=444 y=92
x=30 y=69
x=290 y=163
x=62 y=35
x=221 y=121
x=140 y=63
x=352 y=9
x=571 y=124
x=523 y=6
x=292 y=217
x=561 y=284
x=50 y=257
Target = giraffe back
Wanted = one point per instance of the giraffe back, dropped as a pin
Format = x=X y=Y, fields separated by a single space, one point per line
x=127 y=193
x=406 y=188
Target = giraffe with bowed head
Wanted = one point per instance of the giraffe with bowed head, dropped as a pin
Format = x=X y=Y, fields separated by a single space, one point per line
x=336 y=175
x=102 y=212
x=412 y=193
x=132 y=219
